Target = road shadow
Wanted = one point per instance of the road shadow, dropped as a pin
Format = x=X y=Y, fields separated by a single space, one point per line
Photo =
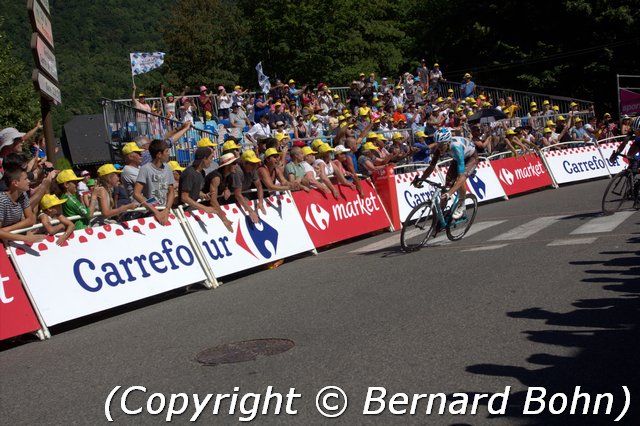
x=605 y=333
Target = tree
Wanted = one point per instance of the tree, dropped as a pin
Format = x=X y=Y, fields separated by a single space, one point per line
x=20 y=107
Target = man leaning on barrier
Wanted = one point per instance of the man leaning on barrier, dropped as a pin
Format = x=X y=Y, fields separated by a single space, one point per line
x=154 y=185
x=15 y=211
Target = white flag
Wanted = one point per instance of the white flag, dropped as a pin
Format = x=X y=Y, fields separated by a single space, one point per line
x=142 y=62
x=263 y=80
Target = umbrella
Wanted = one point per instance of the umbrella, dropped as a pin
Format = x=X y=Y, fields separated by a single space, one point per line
x=487 y=115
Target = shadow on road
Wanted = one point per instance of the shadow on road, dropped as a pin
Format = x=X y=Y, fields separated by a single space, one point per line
x=606 y=335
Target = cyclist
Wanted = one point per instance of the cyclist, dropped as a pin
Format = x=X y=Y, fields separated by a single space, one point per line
x=634 y=149
x=465 y=160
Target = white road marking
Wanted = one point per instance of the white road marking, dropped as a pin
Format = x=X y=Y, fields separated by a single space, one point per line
x=603 y=224
x=572 y=241
x=528 y=229
x=485 y=248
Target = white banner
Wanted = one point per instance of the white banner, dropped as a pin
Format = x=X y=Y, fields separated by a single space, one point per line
x=620 y=163
x=410 y=196
x=280 y=234
x=104 y=267
x=142 y=62
x=574 y=164
x=485 y=184
x=263 y=80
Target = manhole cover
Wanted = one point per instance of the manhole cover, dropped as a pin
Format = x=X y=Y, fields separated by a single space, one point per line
x=247 y=350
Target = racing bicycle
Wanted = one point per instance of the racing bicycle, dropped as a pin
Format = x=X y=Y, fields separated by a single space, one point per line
x=429 y=217
x=622 y=190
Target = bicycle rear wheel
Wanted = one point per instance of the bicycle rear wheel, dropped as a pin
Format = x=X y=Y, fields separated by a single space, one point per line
x=459 y=227
x=617 y=193
x=419 y=226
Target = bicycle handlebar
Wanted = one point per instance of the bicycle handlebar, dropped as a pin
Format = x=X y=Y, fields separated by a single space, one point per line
x=417 y=182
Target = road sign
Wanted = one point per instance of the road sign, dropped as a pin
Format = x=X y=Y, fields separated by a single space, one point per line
x=40 y=19
x=44 y=57
x=46 y=87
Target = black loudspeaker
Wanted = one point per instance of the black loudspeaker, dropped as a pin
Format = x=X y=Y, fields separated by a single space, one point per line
x=84 y=140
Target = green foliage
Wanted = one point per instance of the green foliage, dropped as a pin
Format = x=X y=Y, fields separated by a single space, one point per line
x=17 y=95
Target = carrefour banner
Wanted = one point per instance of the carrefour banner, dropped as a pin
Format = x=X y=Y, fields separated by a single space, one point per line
x=279 y=234
x=484 y=184
x=620 y=163
x=104 y=267
x=408 y=195
x=329 y=220
x=574 y=164
x=16 y=314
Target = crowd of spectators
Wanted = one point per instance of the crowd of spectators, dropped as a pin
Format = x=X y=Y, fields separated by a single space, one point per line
x=289 y=139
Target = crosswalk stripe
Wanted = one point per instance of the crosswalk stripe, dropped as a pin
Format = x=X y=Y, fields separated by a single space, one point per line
x=602 y=224
x=485 y=248
x=395 y=238
x=528 y=229
x=572 y=241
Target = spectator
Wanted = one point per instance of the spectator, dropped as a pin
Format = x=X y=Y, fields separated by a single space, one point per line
x=310 y=172
x=271 y=174
x=86 y=198
x=108 y=180
x=187 y=110
x=67 y=180
x=243 y=179
x=578 y=132
x=278 y=115
x=154 y=186
x=133 y=158
x=294 y=171
x=323 y=167
x=230 y=146
x=434 y=78
x=176 y=170
x=224 y=103
x=563 y=129
x=191 y=184
x=206 y=101
x=423 y=75
x=50 y=205
x=510 y=107
x=482 y=141
x=169 y=102
x=547 y=140
x=82 y=185
x=238 y=118
x=467 y=87
x=217 y=185
x=15 y=209
x=366 y=160
x=259 y=130
x=346 y=165
x=331 y=167
x=261 y=107
x=142 y=117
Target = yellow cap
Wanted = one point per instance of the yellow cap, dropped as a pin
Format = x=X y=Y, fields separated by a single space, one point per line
x=511 y=132
x=107 y=169
x=381 y=137
x=206 y=142
x=546 y=102
x=372 y=135
x=324 y=148
x=229 y=145
x=396 y=136
x=556 y=108
x=369 y=147
x=550 y=123
x=175 y=166
x=573 y=104
x=439 y=100
x=578 y=120
x=348 y=115
x=316 y=143
x=547 y=130
x=281 y=136
x=341 y=118
x=291 y=81
x=436 y=65
x=467 y=75
x=314 y=118
x=269 y=152
x=532 y=104
x=420 y=134
x=130 y=147
x=250 y=156
x=67 y=176
x=450 y=91
x=238 y=87
x=363 y=111
x=50 y=200
x=561 y=118
x=307 y=151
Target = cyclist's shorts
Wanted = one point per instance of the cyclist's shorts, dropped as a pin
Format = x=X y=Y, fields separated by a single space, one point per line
x=470 y=165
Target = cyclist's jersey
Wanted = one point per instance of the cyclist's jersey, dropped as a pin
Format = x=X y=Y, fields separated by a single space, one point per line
x=461 y=150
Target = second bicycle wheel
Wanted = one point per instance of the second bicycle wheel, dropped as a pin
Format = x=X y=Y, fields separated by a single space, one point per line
x=617 y=193
x=418 y=227
x=459 y=227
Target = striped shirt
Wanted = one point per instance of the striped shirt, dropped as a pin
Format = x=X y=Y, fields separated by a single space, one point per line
x=10 y=212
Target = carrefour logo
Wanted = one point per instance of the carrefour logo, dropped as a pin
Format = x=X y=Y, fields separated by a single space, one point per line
x=317 y=217
x=506 y=176
x=257 y=239
x=478 y=185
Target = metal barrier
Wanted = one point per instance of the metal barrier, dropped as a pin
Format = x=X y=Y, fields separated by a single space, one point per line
x=124 y=123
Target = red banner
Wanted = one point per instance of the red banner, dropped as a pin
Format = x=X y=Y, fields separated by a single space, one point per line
x=521 y=174
x=329 y=220
x=629 y=102
x=16 y=315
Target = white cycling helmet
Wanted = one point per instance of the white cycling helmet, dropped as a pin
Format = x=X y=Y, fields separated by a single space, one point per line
x=635 y=124
x=443 y=136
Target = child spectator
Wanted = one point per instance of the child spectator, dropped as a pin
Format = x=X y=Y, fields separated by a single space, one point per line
x=68 y=180
x=154 y=186
x=51 y=210
x=108 y=180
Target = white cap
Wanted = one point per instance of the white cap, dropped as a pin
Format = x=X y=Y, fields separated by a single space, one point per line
x=8 y=135
x=341 y=149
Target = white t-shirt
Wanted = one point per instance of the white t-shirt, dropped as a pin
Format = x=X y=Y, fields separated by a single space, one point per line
x=328 y=168
x=309 y=168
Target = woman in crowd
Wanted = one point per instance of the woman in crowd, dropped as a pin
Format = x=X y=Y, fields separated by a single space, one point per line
x=271 y=174
x=108 y=179
x=217 y=183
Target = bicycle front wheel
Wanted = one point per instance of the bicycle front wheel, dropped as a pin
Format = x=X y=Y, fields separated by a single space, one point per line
x=419 y=226
x=459 y=227
x=617 y=193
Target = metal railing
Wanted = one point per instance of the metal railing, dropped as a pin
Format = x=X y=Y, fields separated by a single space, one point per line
x=124 y=123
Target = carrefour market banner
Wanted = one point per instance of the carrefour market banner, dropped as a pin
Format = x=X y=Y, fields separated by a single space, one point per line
x=16 y=314
x=329 y=220
x=521 y=174
x=408 y=195
x=104 y=267
x=574 y=164
x=279 y=234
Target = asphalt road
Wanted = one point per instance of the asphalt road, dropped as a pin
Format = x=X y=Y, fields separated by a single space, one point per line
x=544 y=294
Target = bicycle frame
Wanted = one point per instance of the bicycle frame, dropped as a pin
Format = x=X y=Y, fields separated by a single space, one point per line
x=443 y=221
